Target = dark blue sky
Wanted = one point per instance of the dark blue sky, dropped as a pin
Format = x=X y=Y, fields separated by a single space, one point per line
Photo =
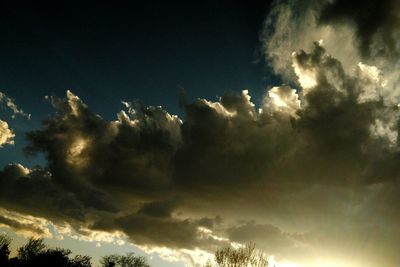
x=127 y=50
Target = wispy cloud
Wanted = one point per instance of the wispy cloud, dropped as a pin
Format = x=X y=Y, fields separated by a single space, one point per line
x=10 y=104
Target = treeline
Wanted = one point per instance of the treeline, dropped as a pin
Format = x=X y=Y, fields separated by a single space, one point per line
x=36 y=254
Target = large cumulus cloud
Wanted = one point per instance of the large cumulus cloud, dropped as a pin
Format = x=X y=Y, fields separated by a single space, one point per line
x=105 y=175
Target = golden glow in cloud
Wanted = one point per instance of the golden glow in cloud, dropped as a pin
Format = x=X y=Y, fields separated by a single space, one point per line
x=6 y=134
x=76 y=155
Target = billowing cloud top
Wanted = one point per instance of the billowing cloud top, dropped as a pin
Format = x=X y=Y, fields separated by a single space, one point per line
x=309 y=175
x=6 y=134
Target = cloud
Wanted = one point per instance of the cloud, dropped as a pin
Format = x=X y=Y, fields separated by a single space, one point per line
x=26 y=225
x=6 y=134
x=167 y=182
x=379 y=39
x=135 y=148
x=22 y=189
x=267 y=237
x=293 y=25
x=169 y=232
x=9 y=103
x=83 y=151
x=160 y=209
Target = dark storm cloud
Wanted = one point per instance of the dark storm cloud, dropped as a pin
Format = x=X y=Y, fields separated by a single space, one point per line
x=22 y=227
x=347 y=126
x=143 y=173
x=230 y=145
x=83 y=150
x=160 y=209
x=104 y=175
x=376 y=23
x=265 y=236
x=220 y=139
x=170 y=232
x=25 y=191
x=334 y=125
x=366 y=32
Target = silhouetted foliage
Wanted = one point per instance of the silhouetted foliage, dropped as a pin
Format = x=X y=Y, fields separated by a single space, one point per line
x=81 y=261
x=128 y=260
x=4 y=249
x=31 y=250
x=247 y=256
x=36 y=254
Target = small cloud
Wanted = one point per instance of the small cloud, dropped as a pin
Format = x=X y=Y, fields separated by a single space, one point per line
x=10 y=104
x=6 y=134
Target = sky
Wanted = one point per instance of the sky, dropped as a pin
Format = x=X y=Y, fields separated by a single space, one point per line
x=174 y=128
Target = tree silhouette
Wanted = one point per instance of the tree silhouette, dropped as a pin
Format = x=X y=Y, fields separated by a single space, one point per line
x=81 y=261
x=247 y=256
x=128 y=260
x=36 y=254
x=4 y=249
x=33 y=249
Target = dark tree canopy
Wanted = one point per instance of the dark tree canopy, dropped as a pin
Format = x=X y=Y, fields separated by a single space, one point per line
x=35 y=253
x=4 y=249
x=239 y=257
x=128 y=260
